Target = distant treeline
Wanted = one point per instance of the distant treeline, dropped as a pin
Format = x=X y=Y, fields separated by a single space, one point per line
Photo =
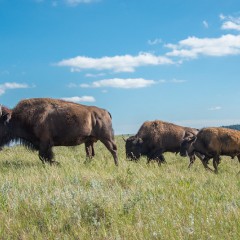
x=236 y=126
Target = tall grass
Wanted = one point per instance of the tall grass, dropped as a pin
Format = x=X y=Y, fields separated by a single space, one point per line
x=95 y=200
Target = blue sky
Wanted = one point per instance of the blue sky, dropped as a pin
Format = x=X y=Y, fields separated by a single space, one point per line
x=173 y=60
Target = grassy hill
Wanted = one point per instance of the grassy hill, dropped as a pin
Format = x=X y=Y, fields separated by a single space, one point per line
x=236 y=126
x=96 y=200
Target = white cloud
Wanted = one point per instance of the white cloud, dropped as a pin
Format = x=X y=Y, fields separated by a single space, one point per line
x=128 y=83
x=205 y=24
x=91 y=75
x=214 y=108
x=222 y=17
x=13 y=85
x=192 y=47
x=155 y=41
x=125 y=63
x=54 y=3
x=80 y=99
x=120 y=83
x=72 y=85
x=76 y=2
x=230 y=23
x=71 y=3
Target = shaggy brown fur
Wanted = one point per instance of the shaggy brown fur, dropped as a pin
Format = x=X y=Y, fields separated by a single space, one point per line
x=42 y=123
x=214 y=142
x=156 y=137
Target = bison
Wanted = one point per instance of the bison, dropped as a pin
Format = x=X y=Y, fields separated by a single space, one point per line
x=213 y=142
x=156 y=137
x=42 y=123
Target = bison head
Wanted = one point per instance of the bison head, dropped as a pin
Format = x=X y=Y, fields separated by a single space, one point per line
x=5 y=116
x=133 y=147
x=187 y=145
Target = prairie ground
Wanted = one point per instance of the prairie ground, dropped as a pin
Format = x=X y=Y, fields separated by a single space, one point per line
x=82 y=199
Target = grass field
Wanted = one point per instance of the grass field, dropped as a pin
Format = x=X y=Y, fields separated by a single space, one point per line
x=96 y=200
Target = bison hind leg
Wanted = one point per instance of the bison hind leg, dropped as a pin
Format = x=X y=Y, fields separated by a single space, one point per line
x=205 y=162
x=112 y=147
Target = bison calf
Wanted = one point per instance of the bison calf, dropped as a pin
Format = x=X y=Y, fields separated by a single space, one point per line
x=43 y=123
x=212 y=143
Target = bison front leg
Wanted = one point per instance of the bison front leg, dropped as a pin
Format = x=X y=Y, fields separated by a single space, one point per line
x=238 y=157
x=45 y=153
x=156 y=155
x=89 y=149
x=160 y=159
x=192 y=159
x=216 y=161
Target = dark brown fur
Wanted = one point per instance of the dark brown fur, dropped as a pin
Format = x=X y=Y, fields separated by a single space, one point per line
x=214 y=142
x=156 y=137
x=42 y=123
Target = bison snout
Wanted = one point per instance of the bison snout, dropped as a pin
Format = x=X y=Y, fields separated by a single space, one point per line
x=132 y=157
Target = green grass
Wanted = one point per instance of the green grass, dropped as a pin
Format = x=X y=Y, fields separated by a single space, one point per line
x=96 y=200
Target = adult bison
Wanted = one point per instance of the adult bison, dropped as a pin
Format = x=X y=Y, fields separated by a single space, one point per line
x=213 y=142
x=41 y=123
x=156 y=137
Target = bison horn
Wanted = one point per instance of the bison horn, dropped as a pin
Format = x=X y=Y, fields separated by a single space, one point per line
x=124 y=139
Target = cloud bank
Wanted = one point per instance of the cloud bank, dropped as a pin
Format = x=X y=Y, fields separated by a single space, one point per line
x=190 y=48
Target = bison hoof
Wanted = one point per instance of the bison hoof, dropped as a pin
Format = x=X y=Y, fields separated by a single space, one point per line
x=55 y=163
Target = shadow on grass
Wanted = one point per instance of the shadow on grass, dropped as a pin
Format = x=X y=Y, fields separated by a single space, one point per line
x=17 y=164
x=20 y=164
